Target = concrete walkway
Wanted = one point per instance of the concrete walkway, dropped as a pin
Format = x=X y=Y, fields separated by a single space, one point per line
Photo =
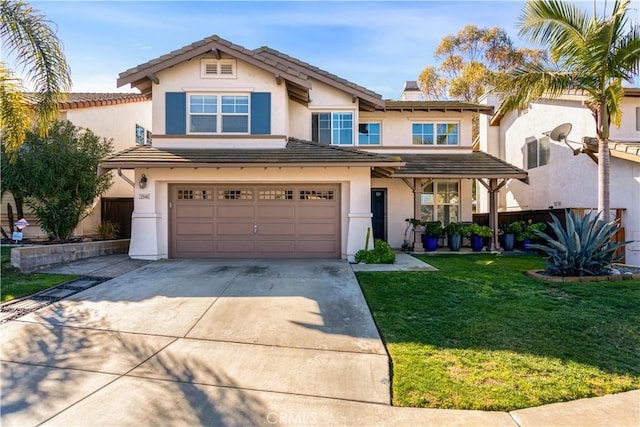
x=236 y=343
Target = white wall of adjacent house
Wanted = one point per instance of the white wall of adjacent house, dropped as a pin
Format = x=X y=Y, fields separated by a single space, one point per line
x=567 y=181
x=115 y=122
x=150 y=222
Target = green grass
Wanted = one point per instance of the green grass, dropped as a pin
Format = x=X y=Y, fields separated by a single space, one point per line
x=480 y=334
x=16 y=285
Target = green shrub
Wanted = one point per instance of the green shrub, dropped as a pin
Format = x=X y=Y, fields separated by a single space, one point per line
x=433 y=228
x=583 y=247
x=531 y=229
x=382 y=253
x=515 y=228
x=454 y=228
x=478 y=230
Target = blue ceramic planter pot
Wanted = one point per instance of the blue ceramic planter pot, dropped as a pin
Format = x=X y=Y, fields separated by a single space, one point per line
x=477 y=242
x=430 y=243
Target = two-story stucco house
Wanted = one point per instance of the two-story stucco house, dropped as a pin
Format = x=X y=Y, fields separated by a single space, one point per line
x=257 y=154
x=558 y=178
x=124 y=118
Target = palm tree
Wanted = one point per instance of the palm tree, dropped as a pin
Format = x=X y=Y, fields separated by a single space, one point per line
x=28 y=38
x=589 y=54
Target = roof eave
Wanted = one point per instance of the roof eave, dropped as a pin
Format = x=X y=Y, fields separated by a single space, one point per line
x=163 y=165
x=148 y=72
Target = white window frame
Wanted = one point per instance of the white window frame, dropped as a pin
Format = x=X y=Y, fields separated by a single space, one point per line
x=332 y=119
x=436 y=204
x=539 y=161
x=140 y=135
x=206 y=63
x=435 y=125
x=371 y=122
x=219 y=114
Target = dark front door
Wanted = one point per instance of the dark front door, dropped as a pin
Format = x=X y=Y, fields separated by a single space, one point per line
x=379 y=211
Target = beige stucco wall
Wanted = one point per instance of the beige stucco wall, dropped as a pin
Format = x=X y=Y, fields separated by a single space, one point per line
x=569 y=181
x=397 y=127
x=150 y=225
x=185 y=77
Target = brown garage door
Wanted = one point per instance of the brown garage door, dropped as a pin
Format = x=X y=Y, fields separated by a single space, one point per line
x=239 y=221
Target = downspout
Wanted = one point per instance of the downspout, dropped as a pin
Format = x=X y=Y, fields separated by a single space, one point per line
x=126 y=178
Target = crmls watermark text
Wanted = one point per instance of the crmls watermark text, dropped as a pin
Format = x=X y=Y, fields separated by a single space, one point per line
x=291 y=418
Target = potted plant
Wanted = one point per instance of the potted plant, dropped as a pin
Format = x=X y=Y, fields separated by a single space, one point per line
x=431 y=233
x=477 y=233
x=454 y=232
x=512 y=232
x=529 y=232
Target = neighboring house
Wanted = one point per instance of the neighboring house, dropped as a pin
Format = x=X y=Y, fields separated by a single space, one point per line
x=126 y=119
x=259 y=155
x=558 y=179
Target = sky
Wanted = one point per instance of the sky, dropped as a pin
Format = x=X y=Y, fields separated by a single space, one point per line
x=378 y=45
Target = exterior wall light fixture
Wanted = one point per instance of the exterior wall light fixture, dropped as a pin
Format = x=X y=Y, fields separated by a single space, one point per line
x=143 y=181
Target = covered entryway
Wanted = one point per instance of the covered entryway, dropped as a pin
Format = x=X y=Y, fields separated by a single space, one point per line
x=244 y=221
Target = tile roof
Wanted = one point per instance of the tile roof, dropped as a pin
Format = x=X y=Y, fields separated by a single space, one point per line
x=629 y=150
x=311 y=69
x=297 y=152
x=468 y=165
x=284 y=66
x=391 y=105
x=86 y=99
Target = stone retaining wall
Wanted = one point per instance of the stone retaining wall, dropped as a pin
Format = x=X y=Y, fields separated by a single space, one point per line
x=32 y=258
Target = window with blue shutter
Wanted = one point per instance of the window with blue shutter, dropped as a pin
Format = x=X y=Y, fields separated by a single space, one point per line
x=261 y=113
x=175 y=113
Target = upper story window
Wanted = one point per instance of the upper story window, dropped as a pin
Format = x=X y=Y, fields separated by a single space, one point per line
x=218 y=114
x=637 y=118
x=332 y=128
x=369 y=134
x=538 y=151
x=217 y=68
x=436 y=133
x=140 y=134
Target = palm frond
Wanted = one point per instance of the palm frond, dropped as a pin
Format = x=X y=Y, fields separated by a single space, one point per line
x=560 y=25
x=531 y=81
x=26 y=34
x=14 y=111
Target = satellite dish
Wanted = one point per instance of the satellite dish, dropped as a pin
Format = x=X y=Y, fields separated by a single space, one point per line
x=560 y=132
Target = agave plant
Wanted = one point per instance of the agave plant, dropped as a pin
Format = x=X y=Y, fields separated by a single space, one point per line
x=583 y=248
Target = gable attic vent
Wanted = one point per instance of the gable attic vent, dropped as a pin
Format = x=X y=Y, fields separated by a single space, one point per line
x=217 y=68
x=226 y=69
x=211 y=69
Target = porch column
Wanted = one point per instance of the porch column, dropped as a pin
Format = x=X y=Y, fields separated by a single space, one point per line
x=493 y=214
x=417 y=213
x=493 y=186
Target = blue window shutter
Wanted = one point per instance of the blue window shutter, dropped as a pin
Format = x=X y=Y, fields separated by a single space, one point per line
x=261 y=113
x=175 y=113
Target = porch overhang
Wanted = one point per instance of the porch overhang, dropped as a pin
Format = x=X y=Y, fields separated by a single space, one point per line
x=475 y=165
x=492 y=173
x=297 y=153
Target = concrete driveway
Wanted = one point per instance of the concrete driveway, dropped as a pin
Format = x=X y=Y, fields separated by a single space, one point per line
x=198 y=342
x=243 y=343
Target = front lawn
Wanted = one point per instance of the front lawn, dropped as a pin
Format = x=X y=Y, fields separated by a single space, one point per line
x=479 y=334
x=15 y=284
